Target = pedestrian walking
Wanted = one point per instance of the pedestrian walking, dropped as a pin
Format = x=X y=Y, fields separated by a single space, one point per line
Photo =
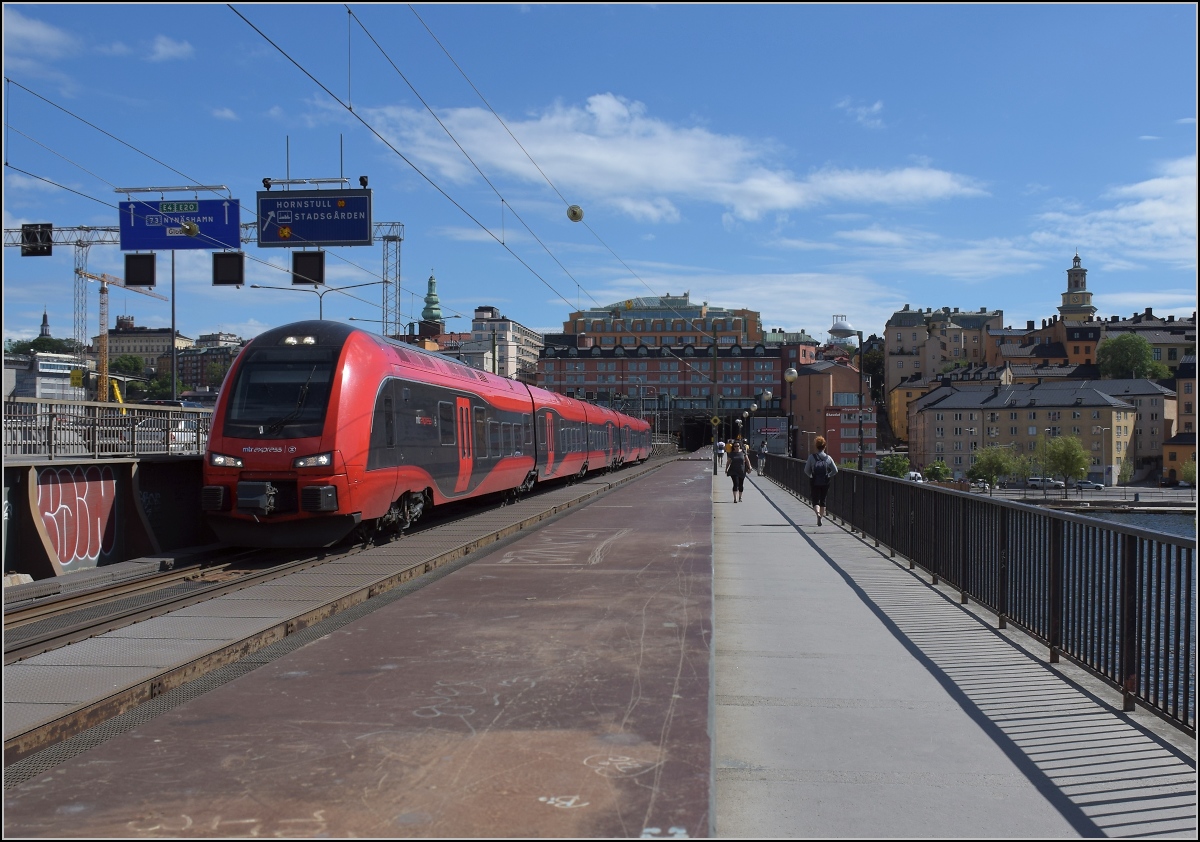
x=820 y=468
x=720 y=453
x=736 y=470
x=762 y=458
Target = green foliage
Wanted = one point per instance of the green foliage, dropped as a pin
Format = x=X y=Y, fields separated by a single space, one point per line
x=1066 y=458
x=1128 y=355
x=1187 y=471
x=1125 y=473
x=950 y=366
x=894 y=465
x=938 y=471
x=214 y=373
x=43 y=344
x=1020 y=466
x=993 y=462
x=127 y=364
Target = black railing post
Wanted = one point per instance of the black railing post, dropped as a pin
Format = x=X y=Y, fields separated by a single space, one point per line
x=1002 y=572
x=1054 y=629
x=964 y=573
x=1129 y=622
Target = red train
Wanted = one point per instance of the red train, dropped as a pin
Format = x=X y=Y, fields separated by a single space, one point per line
x=322 y=428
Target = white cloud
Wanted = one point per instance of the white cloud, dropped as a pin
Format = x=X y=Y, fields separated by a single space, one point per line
x=1152 y=220
x=804 y=245
x=875 y=236
x=611 y=149
x=28 y=38
x=167 y=49
x=116 y=48
x=224 y=114
x=1186 y=121
x=1149 y=137
x=864 y=115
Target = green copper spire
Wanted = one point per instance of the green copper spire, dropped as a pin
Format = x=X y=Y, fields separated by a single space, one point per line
x=433 y=310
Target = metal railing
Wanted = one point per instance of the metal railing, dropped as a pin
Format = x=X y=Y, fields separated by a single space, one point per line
x=38 y=429
x=1117 y=600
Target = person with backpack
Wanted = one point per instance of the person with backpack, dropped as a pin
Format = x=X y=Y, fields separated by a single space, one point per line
x=762 y=458
x=720 y=453
x=820 y=468
x=736 y=470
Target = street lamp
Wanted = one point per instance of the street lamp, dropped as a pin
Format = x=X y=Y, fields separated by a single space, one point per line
x=319 y=293
x=841 y=330
x=789 y=377
x=766 y=399
x=1046 y=479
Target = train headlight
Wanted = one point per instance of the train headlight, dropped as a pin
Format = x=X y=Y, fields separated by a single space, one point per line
x=220 y=460
x=321 y=460
x=299 y=340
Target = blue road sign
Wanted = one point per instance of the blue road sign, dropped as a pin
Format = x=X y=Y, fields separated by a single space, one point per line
x=298 y=218
x=162 y=226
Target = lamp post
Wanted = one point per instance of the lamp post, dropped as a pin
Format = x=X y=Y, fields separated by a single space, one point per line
x=319 y=293
x=715 y=422
x=810 y=434
x=766 y=402
x=841 y=330
x=789 y=377
x=1045 y=479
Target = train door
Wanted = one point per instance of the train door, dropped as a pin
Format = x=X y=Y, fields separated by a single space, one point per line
x=466 y=445
x=548 y=420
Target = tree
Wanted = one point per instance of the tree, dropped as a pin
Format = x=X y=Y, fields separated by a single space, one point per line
x=938 y=471
x=1020 y=466
x=43 y=344
x=894 y=465
x=992 y=463
x=1125 y=472
x=1187 y=471
x=127 y=364
x=214 y=373
x=1066 y=457
x=1128 y=355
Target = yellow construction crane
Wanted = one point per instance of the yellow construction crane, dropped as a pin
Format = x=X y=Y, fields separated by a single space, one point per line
x=102 y=363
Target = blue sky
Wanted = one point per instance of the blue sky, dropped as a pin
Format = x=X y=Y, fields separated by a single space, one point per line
x=798 y=160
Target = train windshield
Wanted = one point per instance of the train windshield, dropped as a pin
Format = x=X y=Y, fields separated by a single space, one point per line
x=281 y=393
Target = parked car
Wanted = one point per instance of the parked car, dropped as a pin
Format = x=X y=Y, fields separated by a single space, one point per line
x=1184 y=484
x=981 y=485
x=1088 y=484
x=915 y=476
x=1167 y=482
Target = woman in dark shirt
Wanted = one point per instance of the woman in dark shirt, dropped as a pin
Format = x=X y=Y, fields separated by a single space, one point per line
x=736 y=469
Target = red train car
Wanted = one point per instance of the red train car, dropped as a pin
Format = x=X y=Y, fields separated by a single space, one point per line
x=322 y=428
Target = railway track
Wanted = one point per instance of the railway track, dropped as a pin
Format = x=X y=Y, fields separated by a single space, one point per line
x=62 y=619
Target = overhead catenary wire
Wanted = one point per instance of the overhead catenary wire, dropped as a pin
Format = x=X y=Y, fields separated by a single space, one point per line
x=507 y=204
x=147 y=155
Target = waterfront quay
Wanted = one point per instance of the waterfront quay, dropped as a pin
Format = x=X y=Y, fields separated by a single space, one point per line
x=658 y=663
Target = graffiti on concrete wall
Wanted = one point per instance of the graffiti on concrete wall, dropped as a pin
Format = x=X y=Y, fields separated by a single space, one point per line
x=78 y=506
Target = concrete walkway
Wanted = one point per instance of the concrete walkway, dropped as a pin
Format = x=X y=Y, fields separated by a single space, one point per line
x=854 y=699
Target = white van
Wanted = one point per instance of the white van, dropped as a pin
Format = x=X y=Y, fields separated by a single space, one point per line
x=915 y=476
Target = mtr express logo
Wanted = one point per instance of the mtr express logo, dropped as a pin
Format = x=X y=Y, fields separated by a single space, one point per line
x=262 y=450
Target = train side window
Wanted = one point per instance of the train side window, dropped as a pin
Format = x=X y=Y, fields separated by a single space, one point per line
x=406 y=395
x=518 y=437
x=528 y=421
x=389 y=423
x=445 y=422
x=541 y=434
x=481 y=444
x=506 y=433
x=494 y=438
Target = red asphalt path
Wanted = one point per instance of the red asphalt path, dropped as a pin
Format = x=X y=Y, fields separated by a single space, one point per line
x=558 y=686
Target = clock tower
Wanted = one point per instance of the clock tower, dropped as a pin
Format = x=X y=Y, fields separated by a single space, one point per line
x=1076 y=301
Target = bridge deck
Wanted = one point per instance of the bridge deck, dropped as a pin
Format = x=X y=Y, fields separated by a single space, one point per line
x=854 y=698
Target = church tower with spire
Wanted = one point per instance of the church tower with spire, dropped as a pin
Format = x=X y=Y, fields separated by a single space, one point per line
x=1076 y=301
x=433 y=308
x=45 y=334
